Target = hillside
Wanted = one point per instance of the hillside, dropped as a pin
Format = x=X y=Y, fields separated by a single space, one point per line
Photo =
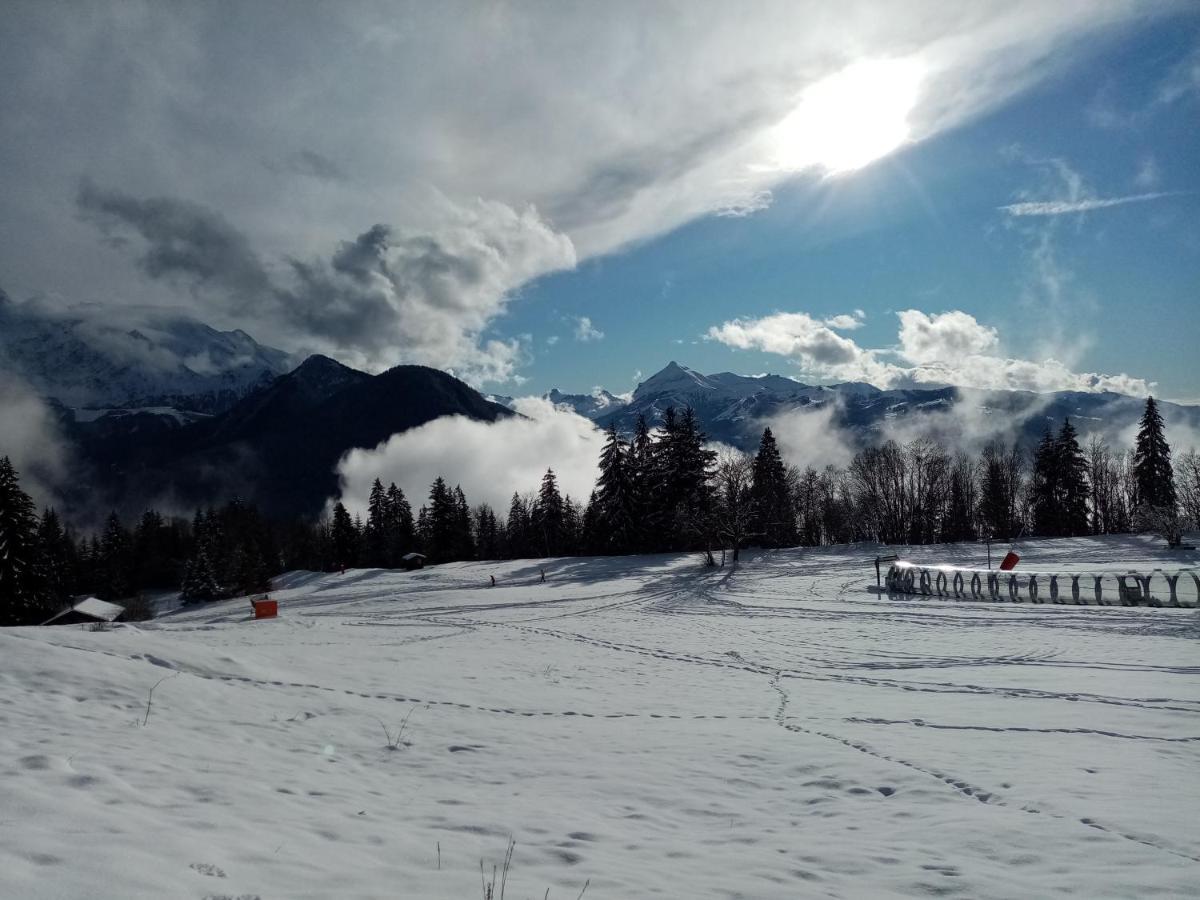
x=638 y=725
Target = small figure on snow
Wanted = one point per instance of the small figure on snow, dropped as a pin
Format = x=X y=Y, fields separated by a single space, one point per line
x=543 y=571
x=493 y=581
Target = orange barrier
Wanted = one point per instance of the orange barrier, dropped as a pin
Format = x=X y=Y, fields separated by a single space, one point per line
x=266 y=609
x=1009 y=562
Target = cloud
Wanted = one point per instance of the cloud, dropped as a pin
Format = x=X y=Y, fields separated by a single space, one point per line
x=1182 y=80
x=1064 y=207
x=31 y=438
x=490 y=460
x=384 y=298
x=307 y=163
x=180 y=241
x=585 y=331
x=1148 y=174
x=636 y=138
x=811 y=343
x=811 y=436
x=949 y=348
x=944 y=336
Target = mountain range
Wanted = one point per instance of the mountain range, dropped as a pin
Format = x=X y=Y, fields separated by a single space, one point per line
x=733 y=409
x=162 y=409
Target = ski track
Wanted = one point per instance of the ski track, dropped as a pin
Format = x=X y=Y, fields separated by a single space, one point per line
x=961 y=786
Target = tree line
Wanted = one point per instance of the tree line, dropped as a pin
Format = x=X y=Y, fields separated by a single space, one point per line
x=657 y=491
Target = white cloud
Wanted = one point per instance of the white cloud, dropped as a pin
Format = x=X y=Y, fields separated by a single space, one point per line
x=31 y=439
x=1148 y=174
x=943 y=336
x=1064 y=207
x=490 y=460
x=950 y=348
x=636 y=137
x=585 y=331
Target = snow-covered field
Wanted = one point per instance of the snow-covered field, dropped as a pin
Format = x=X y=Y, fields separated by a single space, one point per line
x=639 y=725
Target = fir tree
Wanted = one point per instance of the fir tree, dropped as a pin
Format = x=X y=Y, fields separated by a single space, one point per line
x=548 y=517
x=400 y=535
x=22 y=595
x=1073 y=485
x=774 y=510
x=516 y=530
x=614 y=501
x=56 y=561
x=343 y=537
x=375 y=539
x=1044 y=487
x=1152 y=462
x=464 y=538
x=199 y=581
x=116 y=580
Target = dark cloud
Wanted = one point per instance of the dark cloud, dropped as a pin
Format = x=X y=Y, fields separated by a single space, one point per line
x=378 y=300
x=180 y=241
x=308 y=164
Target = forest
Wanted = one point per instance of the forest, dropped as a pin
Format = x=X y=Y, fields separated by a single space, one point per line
x=660 y=490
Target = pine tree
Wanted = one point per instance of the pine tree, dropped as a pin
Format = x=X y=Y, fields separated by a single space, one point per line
x=1045 y=486
x=344 y=537
x=517 y=528
x=376 y=535
x=614 y=501
x=400 y=532
x=1073 y=485
x=441 y=522
x=116 y=561
x=548 y=523
x=199 y=582
x=1152 y=462
x=56 y=561
x=464 y=539
x=774 y=510
x=22 y=595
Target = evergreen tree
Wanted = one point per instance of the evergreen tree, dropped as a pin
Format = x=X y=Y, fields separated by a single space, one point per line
x=1045 y=487
x=116 y=580
x=1073 y=485
x=400 y=533
x=375 y=539
x=774 y=511
x=199 y=581
x=22 y=595
x=1152 y=462
x=442 y=522
x=589 y=528
x=56 y=562
x=464 y=538
x=548 y=517
x=516 y=530
x=344 y=537
x=614 y=501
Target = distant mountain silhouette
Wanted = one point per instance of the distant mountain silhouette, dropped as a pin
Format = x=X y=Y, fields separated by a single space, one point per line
x=278 y=446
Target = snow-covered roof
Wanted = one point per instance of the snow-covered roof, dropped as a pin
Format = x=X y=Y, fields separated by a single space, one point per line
x=413 y=556
x=93 y=607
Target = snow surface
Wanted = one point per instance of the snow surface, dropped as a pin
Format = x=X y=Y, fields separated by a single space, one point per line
x=637 y=724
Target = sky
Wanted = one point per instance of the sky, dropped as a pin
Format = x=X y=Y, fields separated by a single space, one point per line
x=536 y=195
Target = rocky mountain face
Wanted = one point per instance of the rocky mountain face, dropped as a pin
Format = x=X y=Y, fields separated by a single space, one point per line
x=90 y=358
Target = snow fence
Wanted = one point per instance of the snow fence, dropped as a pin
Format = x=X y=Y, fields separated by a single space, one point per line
x=1154 y=588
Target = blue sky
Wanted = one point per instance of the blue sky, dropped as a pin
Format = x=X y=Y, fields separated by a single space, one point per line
x=923 y=229
x=997 y=194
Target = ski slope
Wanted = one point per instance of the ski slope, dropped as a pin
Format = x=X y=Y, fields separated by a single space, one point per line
x=640 y=725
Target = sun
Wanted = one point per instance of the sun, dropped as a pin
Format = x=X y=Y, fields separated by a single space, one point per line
x=849 y=119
